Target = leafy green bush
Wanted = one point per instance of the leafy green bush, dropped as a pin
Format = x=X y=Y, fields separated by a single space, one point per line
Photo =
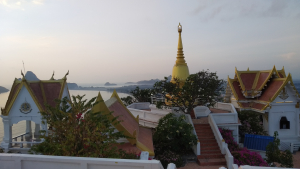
x=78 y=131
x=273 y=154
x=173 y=134
x=169 y=157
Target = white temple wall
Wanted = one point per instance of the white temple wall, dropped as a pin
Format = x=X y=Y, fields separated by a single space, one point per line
x=65 y=92
x=289 y=111
x=16 y=115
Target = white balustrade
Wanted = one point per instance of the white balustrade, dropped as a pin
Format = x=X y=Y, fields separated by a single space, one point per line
x=26 y=161
x=221 y=142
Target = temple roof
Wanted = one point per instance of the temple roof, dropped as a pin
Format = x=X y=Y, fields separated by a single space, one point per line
x=42 y=92
x=256 y=89
x=137 y=135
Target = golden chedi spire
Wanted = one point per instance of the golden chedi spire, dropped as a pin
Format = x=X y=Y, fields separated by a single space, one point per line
x=180 y=69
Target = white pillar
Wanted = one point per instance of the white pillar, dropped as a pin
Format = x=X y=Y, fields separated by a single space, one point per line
x=6 y=143
x=28 y=135
x=37 y=131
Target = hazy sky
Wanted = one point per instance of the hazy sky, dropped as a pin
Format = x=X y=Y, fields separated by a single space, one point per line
x=121 y=41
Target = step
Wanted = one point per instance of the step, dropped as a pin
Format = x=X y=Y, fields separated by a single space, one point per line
x=205 y=133
x=206 y=137
x=208 y=144
x=209 y=147
x=203 y=130
x=210 y=152
x=205 y=140
x=202 y=127
x=210 y=162
x=210 y=156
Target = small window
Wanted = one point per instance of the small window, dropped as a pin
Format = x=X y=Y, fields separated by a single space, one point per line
x=284 y=123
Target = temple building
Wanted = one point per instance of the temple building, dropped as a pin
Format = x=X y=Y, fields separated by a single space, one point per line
x=272 y=93
x=26 y=99
x=180 y=69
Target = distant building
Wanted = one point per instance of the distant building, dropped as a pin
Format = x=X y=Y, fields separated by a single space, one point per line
x=272 y=93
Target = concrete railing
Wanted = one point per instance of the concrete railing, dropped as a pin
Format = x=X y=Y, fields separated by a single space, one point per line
x=26 y=161
x=225 y=106
x=221 y=142
x=147 y=118
x=235 y=166
x=140 y=105
x=223 y=118
x=196 y=148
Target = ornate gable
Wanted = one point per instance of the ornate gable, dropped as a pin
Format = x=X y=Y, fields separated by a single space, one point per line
x=256 y=89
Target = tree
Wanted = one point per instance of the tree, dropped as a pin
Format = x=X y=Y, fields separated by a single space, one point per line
x=172 y=138
x=202 y=88
x=78 y=131
x=138 y=95
x=285 y=158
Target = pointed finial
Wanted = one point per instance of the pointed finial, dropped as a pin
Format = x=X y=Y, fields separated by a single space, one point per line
x=52 y=78
x=248 y=69
x=65 y=77
x=180 y=57
x=282 y=68
x=179 y=28
x=22 y=74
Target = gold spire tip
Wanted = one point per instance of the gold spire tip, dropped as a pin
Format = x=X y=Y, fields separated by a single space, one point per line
x=179 y=28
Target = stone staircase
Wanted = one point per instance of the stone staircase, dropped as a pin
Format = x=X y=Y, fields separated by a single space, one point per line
x=210 y=152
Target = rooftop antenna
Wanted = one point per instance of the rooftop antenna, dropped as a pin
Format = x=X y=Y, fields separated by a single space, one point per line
x=24 y=67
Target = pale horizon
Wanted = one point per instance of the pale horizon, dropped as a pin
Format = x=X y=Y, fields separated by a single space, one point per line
x=129 y=41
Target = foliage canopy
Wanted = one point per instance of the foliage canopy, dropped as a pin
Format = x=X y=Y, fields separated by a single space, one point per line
x=202 y=88
x=138 y=95
x=78 y=131
x=284 y=158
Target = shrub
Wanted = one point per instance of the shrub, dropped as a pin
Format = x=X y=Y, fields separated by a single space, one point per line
x=227 y=136
x=169 y=157
x=273 y=154
x=241 y=156
x=173 y=134
x=79 y=131
x=246 y=157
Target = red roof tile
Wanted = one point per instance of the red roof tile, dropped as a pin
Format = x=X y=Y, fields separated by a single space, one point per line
x=145 y=137
x=126 y=120
x=258 y=106
x=271 y=90
x=238 y=90
x=262 y=78
x=52 y=91
x=280 y=74
x=37 y=91
x=248 y=79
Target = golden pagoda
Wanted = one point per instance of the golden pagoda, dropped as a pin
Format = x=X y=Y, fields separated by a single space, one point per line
x=180 y=69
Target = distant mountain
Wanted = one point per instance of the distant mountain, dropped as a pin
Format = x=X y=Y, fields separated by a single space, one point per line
x=3 y=89
x=72 y=86
x=152 y=81
x=130 y=83
x=109 y=84
x=30 y=76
